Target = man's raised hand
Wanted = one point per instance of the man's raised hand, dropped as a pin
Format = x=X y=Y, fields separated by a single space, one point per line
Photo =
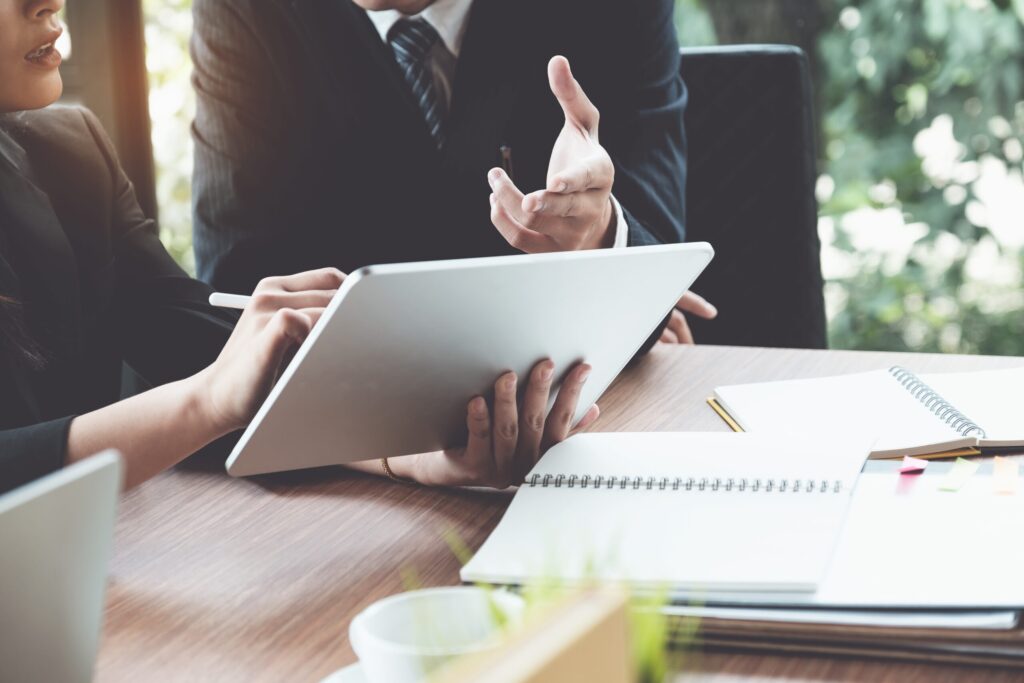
x=575 y=210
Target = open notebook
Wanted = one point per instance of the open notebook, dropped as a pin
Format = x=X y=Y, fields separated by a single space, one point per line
x=909 y=543
x=926 y=415
x=701 y=511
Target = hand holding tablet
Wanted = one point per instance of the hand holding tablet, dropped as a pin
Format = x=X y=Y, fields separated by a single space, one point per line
x=362 y=387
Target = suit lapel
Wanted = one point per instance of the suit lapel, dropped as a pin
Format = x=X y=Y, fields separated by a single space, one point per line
x=380 y=79
x=48 y=275
x=488 y=82
x=489 y=75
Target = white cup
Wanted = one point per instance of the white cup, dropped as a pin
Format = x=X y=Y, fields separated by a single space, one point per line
x=403 y=638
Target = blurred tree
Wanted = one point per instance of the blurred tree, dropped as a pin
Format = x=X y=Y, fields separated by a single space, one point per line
x=921 y=187
x=172 y=107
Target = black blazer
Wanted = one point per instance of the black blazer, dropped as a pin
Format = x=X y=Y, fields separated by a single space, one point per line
x=311 y=152
x=95 y=285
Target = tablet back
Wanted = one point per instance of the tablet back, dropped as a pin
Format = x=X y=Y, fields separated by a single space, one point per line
x=402 y=348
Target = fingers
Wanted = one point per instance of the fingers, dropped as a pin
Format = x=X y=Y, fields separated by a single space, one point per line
x=508 y=195
x=576 y=106
x=698 y=305
x=520 y=237
x=534 y=413
x=313 y=314
x=478 y=421
x=543 y=232
x=587 y=204
x=323 y=279
x=679 y=328
x=273 y=299
x=589 y=418
x=595 y=173
x=286 y=330
x=506 y=427
x=669 y=337
x=560 y=418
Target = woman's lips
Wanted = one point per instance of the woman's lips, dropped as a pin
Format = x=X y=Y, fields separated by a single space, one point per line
x=46 y=55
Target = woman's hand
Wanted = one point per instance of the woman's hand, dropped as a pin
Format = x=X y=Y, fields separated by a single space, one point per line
x=504 y=442
x=277 y=320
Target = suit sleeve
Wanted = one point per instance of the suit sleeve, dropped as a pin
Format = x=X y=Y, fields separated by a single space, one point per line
x=161 y=317
x=241 y=159
x=27 y=453
x=642 y=122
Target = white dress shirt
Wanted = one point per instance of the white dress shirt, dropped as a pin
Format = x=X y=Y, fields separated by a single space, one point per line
x=448 y=17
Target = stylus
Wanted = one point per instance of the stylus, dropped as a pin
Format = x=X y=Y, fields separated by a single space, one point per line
x=238 y=301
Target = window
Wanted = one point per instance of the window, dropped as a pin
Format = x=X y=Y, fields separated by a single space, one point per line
x=921 y=117
x=107 y=73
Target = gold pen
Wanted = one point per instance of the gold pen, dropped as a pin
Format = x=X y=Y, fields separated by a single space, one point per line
x=506 y=162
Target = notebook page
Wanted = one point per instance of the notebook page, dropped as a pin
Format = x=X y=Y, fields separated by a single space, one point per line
x=703 y=540
x=869 y=404
x=907 y=544
x=993 y=398
x=703 y=454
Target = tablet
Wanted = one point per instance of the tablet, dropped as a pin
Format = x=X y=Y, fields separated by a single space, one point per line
x=402 y=348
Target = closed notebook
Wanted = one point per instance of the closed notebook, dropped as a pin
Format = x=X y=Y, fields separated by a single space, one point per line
x=926 y=415
x=700 y=511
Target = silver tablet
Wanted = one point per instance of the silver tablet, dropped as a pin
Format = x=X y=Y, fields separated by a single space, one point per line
x=402 y=348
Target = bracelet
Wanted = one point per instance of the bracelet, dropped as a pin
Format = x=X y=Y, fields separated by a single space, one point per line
x=390 y=474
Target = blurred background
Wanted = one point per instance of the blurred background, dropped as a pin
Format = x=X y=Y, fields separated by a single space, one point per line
x=920 y=143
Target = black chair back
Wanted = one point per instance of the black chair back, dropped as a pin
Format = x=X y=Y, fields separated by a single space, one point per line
x=750 y=193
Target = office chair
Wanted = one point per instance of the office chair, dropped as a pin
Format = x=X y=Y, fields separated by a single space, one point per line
x=750 y=193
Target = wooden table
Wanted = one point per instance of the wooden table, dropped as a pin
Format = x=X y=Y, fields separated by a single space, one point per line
x=217 y=579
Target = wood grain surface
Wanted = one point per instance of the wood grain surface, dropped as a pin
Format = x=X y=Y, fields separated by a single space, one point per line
x=219 y=579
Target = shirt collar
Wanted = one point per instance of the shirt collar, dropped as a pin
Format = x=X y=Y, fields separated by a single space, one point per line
x=448 y=17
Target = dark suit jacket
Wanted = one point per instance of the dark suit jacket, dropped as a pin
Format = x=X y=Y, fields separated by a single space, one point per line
x=311 y=152
x=95 y=285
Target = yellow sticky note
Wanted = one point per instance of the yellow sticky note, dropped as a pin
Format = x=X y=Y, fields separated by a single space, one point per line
x=958 y=476
x=1004 y=475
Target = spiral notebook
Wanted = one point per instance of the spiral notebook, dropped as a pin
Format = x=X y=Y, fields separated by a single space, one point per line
x=738 y=512
x=925 y=416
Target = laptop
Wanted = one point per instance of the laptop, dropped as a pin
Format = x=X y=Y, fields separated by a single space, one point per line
x=56 y=536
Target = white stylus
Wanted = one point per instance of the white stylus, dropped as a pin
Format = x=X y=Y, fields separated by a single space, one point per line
x=239 y=301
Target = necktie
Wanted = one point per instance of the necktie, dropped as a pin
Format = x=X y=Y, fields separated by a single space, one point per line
x=412 y=40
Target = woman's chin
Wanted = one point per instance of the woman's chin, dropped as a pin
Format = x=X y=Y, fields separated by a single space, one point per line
x=39 y=94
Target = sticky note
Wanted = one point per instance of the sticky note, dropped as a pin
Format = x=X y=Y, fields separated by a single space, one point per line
x=1004 y=475
x=958 y=476
x=912 y=465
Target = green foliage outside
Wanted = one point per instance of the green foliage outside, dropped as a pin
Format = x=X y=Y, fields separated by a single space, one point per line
x=921 y=183
x=172 y=108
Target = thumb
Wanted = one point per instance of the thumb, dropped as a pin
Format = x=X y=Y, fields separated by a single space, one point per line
x=578 y=108
x=285 y=331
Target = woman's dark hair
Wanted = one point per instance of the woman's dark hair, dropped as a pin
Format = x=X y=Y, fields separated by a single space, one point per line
x=15 y=340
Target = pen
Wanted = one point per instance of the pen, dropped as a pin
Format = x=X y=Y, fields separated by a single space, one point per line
x=238 y=301
x=506 y=162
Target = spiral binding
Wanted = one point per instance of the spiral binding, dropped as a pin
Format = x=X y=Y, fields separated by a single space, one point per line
x=730 y=484
x=934 y=402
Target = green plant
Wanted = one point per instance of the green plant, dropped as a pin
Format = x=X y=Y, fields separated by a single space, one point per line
x=921 y=188
x=649 y=627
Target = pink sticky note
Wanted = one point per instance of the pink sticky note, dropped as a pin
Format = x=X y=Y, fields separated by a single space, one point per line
x=1004 y=475
x=912 y=465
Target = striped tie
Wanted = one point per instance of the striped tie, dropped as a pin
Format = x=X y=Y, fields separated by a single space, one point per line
x=411 y=40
